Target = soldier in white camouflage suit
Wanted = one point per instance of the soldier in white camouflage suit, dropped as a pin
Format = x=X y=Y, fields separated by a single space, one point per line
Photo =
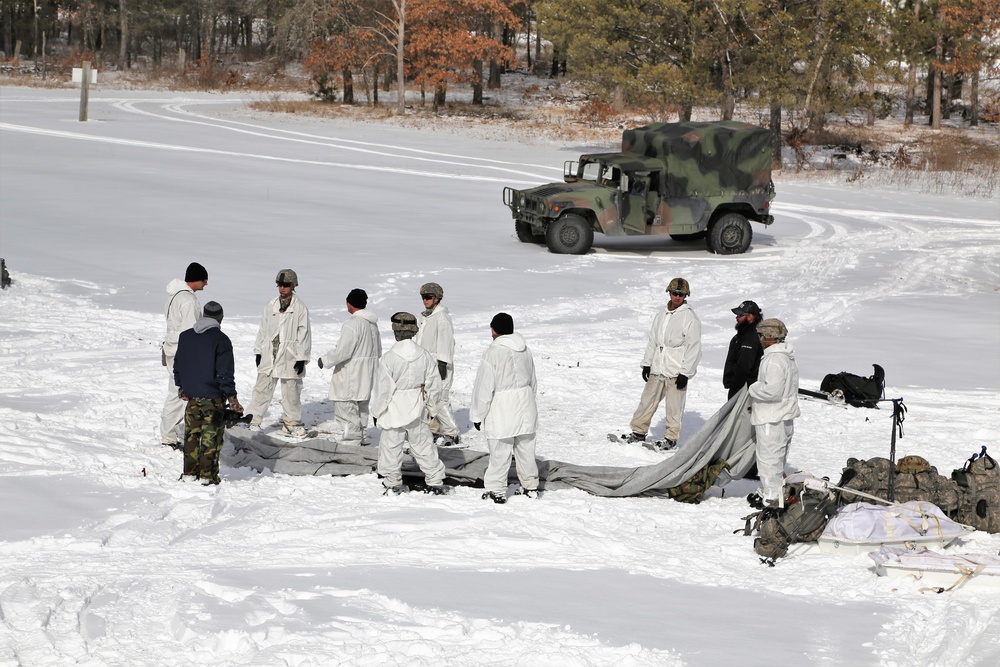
x=283 y=346
x=437 y=336
x=183 y=310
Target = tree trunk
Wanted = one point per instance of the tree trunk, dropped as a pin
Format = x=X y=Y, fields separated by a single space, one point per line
x=936 y=101
x=870 y=121
x=974 y=99
x=775 y=127
x=400 y=73
x=123 y=46
x=477 y=85
x=440 y=93
x=728 y=98
x=348 y=85
x=684 y=115
x=375 y=84
x=911 y=76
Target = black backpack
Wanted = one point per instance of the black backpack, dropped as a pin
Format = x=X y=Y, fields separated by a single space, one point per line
x=861 y=392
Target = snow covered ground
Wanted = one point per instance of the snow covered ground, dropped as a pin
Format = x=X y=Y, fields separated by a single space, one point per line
x=106 y=559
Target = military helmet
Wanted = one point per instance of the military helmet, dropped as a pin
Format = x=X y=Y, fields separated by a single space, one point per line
x=287 y=276
x=913 y=464
x=404 y=325
x=772 y=328
x=679 y=285
x=432 y=288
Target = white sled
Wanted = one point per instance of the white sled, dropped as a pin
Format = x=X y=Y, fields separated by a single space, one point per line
x=937 y=570
x=861 y=528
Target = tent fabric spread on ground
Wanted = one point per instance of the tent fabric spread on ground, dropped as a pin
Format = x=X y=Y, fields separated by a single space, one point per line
x=727 y=435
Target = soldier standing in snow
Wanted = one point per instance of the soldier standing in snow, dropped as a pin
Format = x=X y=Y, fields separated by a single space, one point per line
x=283 y=345
x=354 y=361
x=503 y=402
x=408 y=386
x=774 y=407
x=745 y=351
x=182 y=311
x=671 y=359
x=437 y=336
x=204 y=371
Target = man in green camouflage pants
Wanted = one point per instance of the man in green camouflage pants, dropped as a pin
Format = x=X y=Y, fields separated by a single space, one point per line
x=204 y=374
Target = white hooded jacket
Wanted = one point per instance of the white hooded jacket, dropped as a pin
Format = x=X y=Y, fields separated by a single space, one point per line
x=292 y=327
x=437 y=335
x=183 y=310
x=674 y=346
x=355 y=359
x=503 y=397
x=407 y=386
x=775 y=394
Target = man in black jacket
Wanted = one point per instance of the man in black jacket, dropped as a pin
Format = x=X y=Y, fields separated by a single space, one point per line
x=204 y=374
x=745 y=350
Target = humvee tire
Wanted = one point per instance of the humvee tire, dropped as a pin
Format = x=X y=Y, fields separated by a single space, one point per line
x=571 y=234
x=525 y=235
x=729 y=235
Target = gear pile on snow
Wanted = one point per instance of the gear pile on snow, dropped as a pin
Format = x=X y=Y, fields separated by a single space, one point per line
x=979 y=483
x=802 y=519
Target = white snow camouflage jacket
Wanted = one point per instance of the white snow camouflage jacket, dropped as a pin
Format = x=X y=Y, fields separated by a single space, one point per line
x=355 y=359
x=674 y=346
x=182 y=309
x=437 y=335
x=292 y=327
x=407 y=386
x=775 y=394
x=503 y=397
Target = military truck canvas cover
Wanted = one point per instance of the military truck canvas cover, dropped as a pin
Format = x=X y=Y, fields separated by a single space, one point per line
x=706 y=158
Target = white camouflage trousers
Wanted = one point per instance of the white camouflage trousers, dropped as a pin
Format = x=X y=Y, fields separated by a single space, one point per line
x=772 y=451
x=390 y=453
x=172 y=416
x=291 y=399
x=523 y=449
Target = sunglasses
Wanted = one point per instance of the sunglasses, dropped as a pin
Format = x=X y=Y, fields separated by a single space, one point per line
x=284 y=284
x=677 y=294
x=426 y=297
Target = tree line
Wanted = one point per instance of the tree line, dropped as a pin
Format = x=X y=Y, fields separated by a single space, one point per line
x=803 y=58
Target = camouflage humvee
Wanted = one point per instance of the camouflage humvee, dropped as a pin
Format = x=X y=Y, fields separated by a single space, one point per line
x=688 y=180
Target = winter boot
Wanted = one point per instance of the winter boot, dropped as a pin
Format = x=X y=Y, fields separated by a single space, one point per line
x=397 y=490
x=527 y=493
x=439 y=490
x=495 y=497
x=633 y=437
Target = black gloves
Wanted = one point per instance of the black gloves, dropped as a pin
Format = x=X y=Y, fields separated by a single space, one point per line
x=300 y=366
x=645 y=373
x=319 y=362
x=443 y=369
x=682 y=381
x=477 y=425
x=258 y=360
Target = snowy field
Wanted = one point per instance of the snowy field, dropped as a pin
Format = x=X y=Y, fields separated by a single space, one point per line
x=106 y=559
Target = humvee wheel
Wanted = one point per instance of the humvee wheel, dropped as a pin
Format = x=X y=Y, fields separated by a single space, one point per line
x=569 y=235
x=525 y=234
x=729 y=235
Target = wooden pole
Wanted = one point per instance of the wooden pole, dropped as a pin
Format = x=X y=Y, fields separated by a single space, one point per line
x=84 y=91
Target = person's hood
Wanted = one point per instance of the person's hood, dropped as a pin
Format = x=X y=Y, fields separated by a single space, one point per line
x=407 y=349
x=203 y=324
x=366 y=314
x=782 y=348
x=177 y=285
x=514 y=341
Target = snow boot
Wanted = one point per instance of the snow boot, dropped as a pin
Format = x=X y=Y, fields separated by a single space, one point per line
x=439 y=490
x=397 y=490
x=495 y=497
x=527 y=493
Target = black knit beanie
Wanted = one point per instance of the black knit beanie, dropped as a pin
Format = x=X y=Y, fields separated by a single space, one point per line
x=503 y=324
x=357 y=298
x=195 y=272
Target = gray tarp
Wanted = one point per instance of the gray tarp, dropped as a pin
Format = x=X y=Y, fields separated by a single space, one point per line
x=727 y=435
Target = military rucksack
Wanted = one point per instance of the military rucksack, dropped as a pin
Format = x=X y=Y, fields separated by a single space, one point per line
x=861 y=392
x=802 y=519
x=916 y=479
x=693 y=489
x=871 y=477
x=979 y=482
